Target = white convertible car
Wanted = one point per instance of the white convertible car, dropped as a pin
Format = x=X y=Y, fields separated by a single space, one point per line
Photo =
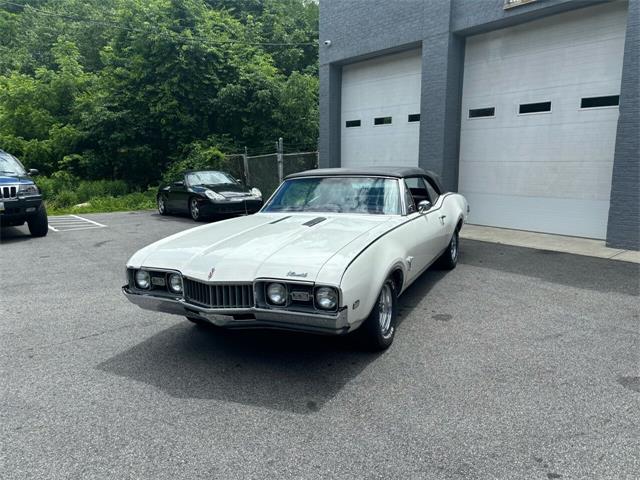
x=330 y=252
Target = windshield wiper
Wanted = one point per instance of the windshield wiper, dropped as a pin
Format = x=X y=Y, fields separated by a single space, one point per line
x=8 y=171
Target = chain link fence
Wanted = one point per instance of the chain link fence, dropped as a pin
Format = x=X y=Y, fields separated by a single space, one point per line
x=262 y=171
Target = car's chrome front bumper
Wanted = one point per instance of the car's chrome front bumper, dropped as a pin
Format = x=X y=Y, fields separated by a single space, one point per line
x=245 y=317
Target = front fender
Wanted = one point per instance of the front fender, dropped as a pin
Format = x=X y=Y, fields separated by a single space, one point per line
x=364 y=276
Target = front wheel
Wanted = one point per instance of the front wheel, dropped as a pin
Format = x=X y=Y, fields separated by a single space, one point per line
x=194 y=209
x=449 y=258
x=39 y=224
x=379 y=328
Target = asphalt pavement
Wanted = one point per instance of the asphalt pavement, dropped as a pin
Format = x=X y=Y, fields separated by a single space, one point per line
x=518 y=364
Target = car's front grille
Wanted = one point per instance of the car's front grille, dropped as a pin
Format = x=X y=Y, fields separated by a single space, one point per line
x=219 y=295
x=8 y=192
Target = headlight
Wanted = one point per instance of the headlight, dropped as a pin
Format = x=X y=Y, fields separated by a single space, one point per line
x=175 y=283
x=28 y=190
x=326 y=298
x=143 y=279
x=256 y=193
x=213 y=195
x=277 y=293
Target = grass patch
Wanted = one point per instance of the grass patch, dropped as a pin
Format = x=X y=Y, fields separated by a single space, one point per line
x=127 y=202
x=64 y=192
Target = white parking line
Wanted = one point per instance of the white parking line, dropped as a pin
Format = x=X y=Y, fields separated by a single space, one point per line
x=67 y=223
x=90 y=221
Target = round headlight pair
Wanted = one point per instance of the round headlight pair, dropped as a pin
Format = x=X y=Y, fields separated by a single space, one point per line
x=326 y=298
x=143 y=281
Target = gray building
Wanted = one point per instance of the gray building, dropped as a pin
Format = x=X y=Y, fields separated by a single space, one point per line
x=530 y=108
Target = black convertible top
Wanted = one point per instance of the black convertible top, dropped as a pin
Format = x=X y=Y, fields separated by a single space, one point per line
x=384 y=171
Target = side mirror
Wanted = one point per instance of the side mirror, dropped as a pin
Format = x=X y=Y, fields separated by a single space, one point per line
x=239 y=180
x=179 y=183
x=424 y=206
x=33 y=172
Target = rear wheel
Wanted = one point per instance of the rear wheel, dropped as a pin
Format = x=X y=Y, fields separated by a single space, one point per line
x=449 y=258
x=379 y=328
x=38 y=224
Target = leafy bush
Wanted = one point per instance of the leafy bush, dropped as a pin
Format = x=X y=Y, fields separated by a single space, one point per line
x=87 y=190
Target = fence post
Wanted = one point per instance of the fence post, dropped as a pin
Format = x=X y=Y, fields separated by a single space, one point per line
x=245 y=163
x=280 y=150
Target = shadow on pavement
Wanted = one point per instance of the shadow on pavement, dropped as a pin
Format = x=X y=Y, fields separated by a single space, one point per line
x=275 y=370
x=14 y=234
x=577 y=271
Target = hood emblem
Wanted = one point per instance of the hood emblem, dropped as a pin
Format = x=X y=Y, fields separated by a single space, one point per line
x=298 y=275
x=211 y=272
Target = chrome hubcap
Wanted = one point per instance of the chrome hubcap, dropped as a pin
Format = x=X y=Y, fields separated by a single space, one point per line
x=454 y=247
x=195 y=211
x=161 y=205
x=385 y=310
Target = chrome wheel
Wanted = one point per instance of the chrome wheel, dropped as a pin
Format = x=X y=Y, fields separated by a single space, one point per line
x=195 y=210
x=161 y=206
x=454 y=247
x=385 y=310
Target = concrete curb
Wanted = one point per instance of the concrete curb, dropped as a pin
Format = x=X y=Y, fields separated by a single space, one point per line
x=544 y=241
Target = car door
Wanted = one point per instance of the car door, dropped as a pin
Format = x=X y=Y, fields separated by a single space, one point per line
x=178 y=196
x=422 y=229
x=444 y=215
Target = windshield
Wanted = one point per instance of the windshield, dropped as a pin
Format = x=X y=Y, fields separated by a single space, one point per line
x=377 y=196
x=9 y=164
x=209 y=178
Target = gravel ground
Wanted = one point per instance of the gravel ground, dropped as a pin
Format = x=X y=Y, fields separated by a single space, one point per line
x=518 y=364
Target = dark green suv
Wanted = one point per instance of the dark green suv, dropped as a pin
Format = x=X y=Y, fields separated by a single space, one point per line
x=20 y=198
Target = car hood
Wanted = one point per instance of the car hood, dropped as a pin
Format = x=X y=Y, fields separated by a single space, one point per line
x=226 y=189
x=293 y=247
x=12 y=179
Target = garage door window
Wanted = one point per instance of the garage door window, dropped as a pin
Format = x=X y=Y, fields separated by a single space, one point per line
x=352 y=123
x=488 y=112
x=382 y=121
x=540 y=107
x=414 y=117
x=600 y=102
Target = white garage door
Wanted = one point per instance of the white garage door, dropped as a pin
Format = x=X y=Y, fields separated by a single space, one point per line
x=539 y=120
x=381 y=111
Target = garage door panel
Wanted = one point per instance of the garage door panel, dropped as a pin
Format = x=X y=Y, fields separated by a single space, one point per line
x=565 y=216
x=591 y=141
x=525 y=169
x=592 y=180
x=584 y=63
x=557 y=32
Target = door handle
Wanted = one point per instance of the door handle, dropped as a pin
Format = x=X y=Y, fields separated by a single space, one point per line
x=442 y=217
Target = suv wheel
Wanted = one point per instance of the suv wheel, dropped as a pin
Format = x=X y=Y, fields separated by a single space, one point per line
x=38 y=224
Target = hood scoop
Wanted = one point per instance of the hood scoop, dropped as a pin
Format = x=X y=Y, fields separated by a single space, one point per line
x=279 y=220
x=314 y=221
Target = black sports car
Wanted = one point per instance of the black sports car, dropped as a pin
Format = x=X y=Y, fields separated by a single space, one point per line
x=206 y=194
